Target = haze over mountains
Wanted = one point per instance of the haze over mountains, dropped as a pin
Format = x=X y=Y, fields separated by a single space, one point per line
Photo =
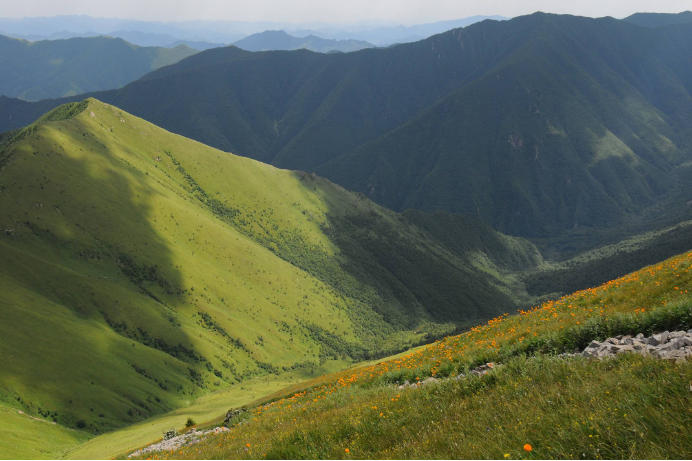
x=385 y=35
x=57 y=68
x=379 y=33
x=133 y=36
x=64 y=67
x=279 y=40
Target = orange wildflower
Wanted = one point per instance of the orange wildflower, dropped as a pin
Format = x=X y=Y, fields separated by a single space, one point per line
x=528 y=447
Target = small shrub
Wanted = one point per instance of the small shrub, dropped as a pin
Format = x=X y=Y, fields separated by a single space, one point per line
x=190 y=422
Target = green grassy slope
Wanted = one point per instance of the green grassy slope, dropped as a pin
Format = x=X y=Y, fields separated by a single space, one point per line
x=561 y=407
x=142 y=270
x=58 y=68
x=26 y=437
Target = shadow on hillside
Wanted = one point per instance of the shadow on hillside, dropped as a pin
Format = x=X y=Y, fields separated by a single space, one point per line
x=411 y=279
x=89 y=225
x=117 y=217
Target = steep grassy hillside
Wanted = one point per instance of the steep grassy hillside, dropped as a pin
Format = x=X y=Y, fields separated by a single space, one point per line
x=142 y=270
x=535 y=125
x=280 y=40
x=58 y=68
x=536 y=405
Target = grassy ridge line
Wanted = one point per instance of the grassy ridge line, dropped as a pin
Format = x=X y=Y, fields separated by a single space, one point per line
x=64 y=112
x=142 y=270
x=350 y=409
x=103 y=229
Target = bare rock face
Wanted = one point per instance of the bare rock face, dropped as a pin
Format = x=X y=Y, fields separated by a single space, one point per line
x=676 y=345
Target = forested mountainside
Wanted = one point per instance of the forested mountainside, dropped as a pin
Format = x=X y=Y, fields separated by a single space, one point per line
x=535 y=125
x=659 y=19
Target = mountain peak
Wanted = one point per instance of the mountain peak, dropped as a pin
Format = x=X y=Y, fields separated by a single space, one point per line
x=660 y=19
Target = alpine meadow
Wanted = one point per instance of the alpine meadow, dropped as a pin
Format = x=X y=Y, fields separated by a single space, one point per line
x=322 y=239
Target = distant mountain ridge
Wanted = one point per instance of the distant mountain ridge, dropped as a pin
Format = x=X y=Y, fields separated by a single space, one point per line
x=380 y=33
x=196 y=44
x=659 y=19
x=210 y=31
x=389 y=35
x=58 y=68
x=135 y=37
x=280 y=40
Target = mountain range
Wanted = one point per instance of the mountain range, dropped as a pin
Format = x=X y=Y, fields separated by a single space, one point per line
x=132 y=36
x=145 y=33
x=386 y=35
x=536 y=125
x=659 y=19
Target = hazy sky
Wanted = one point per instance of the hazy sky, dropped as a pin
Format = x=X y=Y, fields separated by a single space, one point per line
x=402 y=11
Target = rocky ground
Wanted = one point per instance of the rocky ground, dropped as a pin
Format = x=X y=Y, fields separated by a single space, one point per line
x=478 y=371
x=672 y=346
x=666 y=345
x=173 y=442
